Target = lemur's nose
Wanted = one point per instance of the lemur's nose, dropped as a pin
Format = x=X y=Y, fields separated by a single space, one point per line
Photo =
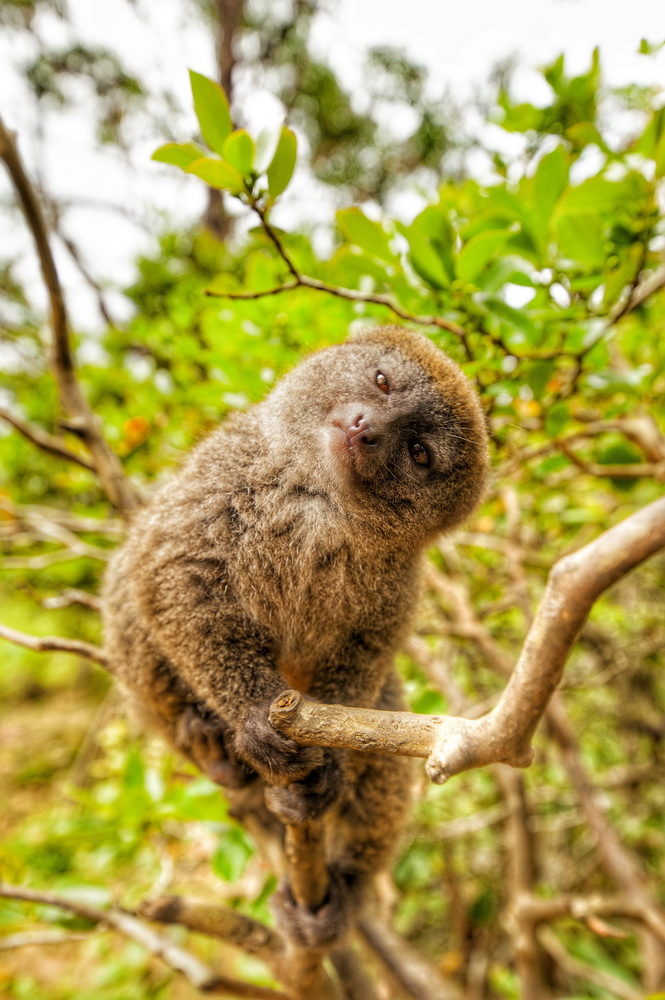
x=361 y=432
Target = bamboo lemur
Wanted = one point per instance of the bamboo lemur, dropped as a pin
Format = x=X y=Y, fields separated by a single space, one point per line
x=286 y=553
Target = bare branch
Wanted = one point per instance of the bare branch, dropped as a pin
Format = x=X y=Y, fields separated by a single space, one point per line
x=411 y=971
x=585 y=907
x=304 y=851
x=634 y=470
x=587 y=973
x=452 y=744
x=106 y=462
x=575 y=583
x=217 y=921
x=521 y=881
x=73 y=596
x=50 y=643
x=350 y=294
x=53 y=531
x=192 y=968
x=639 y=294
x=75 y=522
x=352 y=974
x=44 y=440
x=32 y=938
x=366 y=729
x=44 y=560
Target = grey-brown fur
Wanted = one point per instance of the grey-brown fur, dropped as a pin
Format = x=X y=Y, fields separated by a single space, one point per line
x=286 y=553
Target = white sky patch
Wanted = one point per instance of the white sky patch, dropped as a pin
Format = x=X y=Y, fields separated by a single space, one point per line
x=518 y=296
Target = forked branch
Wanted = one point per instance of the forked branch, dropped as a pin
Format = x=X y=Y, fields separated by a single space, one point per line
x=452 y=745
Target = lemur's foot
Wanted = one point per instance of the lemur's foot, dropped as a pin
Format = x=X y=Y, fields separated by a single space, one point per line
x=325 y=927
x=207 y=741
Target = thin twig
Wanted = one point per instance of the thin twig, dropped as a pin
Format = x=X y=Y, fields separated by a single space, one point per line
x=50 y=643
x=75 y=522
x=411 y=971
x=32 y=938
x=217 y=921
x=44 y=440
x=71 y=596
x=351 y=295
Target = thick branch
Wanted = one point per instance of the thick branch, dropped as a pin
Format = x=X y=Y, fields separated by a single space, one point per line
x=217 y=921
x=199 y=975
x=575 y=583
x=51 y=643
x=106 y=462
x=305 y=853
x=453 y=745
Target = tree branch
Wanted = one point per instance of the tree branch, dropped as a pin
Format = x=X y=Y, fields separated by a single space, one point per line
x=453 y=744
x=582 y=970
x=106 y=462
x=192 y=968
x=45 y=441
x=217 y=921
x=632 y=470
x=50 y=643
x=411 y=971
x=586 y=907
x=351 y=295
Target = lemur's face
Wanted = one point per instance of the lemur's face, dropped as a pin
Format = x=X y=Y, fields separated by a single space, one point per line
x=392 y=423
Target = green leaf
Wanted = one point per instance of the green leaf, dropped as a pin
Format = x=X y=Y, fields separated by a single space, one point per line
x=648 y=48
x=538 y=376
x=232 y=854
x=516 y=318
x=475 y=254
x=556 y=418
x=266 y=146
x=283 y=163
x=652 y=142
x=212 y=110
x=430 y=239
x=364 y=233
x=217 y=174
x=239 y=150
x=591 y=195
x=430 y=702
x=179 y=154
x=550 y=182
x=622 y=275
x=580 y=238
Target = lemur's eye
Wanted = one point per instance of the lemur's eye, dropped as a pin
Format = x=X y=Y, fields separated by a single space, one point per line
x=382 y=382
x=419 y=453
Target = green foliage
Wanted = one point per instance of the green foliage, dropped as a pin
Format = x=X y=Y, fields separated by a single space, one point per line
x=118 y=92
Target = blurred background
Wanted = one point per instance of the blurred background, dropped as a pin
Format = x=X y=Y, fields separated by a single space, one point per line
x=499 y=165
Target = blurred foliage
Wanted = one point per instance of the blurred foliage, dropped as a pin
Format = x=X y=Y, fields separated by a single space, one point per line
x=115 y=89
x=535 y=266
